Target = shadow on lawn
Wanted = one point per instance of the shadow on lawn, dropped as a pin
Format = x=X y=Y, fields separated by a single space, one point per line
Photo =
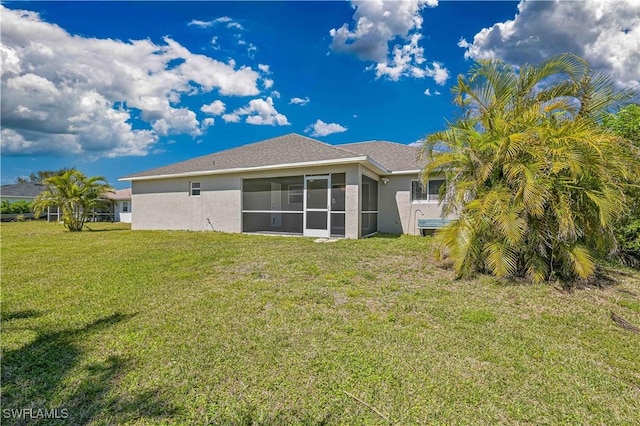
x=27 y=313
x=35 y=376
x=87 y=228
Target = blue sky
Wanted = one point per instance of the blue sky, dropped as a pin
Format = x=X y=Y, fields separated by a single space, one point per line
x=117 y=88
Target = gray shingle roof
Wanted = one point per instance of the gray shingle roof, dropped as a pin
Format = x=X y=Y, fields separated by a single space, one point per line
x=392 y=156
x=25 y=190
x=290 y=149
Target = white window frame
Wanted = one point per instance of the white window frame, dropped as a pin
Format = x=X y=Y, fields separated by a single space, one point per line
x=192 y=189
x=426 y=192
x=296 y=190
x=125 y=207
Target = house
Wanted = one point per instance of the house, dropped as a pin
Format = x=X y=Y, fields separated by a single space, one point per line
x=19 y=192
x=122 y=205
x=290 y=185
x=27 y=191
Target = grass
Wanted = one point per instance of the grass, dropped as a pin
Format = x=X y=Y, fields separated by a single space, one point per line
x=159 y=327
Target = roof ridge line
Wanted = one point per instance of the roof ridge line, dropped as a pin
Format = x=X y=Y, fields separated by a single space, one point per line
x=338 y=147
x=377 y=141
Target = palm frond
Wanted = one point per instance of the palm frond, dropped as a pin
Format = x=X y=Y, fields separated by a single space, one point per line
x=582 y=260
x=500 y=259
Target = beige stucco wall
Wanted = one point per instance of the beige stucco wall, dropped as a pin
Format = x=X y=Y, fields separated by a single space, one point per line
x=397 y=214
x=166 y=204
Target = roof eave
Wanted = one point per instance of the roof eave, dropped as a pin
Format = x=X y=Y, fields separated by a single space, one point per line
x=360 y=159
x=405 y=172
x=377 y=167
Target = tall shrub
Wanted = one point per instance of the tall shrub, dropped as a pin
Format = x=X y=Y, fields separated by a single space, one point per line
x=536 y=181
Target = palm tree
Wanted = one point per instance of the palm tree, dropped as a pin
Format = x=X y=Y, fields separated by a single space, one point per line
x=75 y=194
x=535 y=181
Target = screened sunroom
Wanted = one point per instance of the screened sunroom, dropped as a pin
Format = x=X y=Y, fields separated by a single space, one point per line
x=309 y=205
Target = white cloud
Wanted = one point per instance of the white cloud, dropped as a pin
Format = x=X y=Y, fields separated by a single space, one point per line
x=258 y=112
x=230 y=22
x=267 y=83
x=177 y=121
x=438 y=72
x=216 y=107
x=320 y=128
x=299 y=101
x=70 y=94
x=210 y=74
x=437 y=93
x=606 y=33
x=275 y=94
x=381 y=23
x=231 y=118
x=201 y=24
x=214 y=43
x=427 y=92
x=264 y=68
x=235 y=25
x=251 y=50
x=92 y=128
x=376 y=24
x=208 y=122
x=407 y=61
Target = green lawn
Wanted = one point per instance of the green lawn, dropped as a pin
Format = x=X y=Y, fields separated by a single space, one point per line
x=163 y=327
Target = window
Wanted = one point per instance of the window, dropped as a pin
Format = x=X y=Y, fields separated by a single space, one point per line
x=295 y=194
x=195 y=189
x=430 y=194
x=125 y=206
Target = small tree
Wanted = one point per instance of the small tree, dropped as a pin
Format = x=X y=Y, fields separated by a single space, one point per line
x=626 y=124
x=75 y=194
x=536 y=181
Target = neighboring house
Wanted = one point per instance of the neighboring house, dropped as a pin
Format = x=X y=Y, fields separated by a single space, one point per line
x=14 y=193
x=290 y=185
x=122 y=206
x=20 y=192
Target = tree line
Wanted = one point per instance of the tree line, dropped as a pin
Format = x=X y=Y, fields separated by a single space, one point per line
x=40 y=176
